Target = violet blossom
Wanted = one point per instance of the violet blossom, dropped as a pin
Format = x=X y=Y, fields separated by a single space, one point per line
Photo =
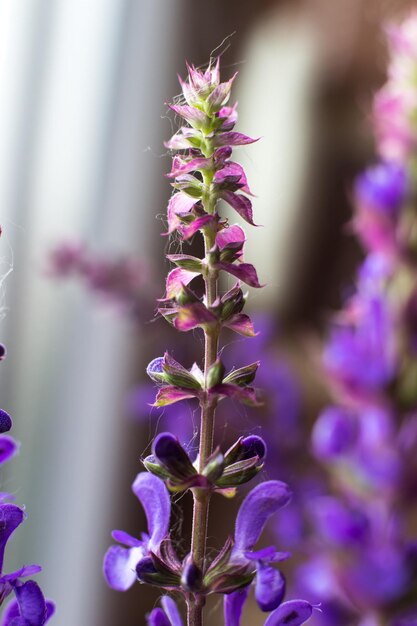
x=364 y=558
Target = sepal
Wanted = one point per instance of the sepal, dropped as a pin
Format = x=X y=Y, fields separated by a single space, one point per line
x=243 y=376
x=214 y=467
x=190 y=185
x=153 y=571
x=232 y=303
x=215 y=374
x=186 y=262
x=241 y=324
x=242 y=461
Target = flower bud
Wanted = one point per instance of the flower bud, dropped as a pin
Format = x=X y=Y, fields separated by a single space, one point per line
x=171 y=455
x=232 y=303
x=215 y=374
x=192 y=576
x=153 y=571
x=243 y=376
x=5 y=421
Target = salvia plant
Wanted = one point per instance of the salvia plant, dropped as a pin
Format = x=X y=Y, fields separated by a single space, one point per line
x=364 y=561
x=204 y=173
x=28 y=606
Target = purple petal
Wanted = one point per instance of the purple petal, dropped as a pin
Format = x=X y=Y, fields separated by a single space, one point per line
x=247 y=395
x=193 y=315
x=11 y=516
x=220 y=94
x=179 y=166
x=232 y=235
x=197 y=224
x=170 y=395
x=181 y=140
x=334 y=433
x=50 y=609
x=157 y=618
x=8 y=448
x=180 y=204
x=241 y=204
x=222 y=154
x=23 y=572
x=229 y=116
x=119 y=566
x=230 y=173
x=176 y=279
x=382 y=188
x=338 y=523
x=233 y=139
x=11 y=614
x=3 y=351
x=5 y=421
x=255 y=510
x=232 y=176
x=31 y=604
x=243 y=271
x=155 y=369
x=171 y=611
x=253 y=445
x=269 y=588
x=233 y=606
x=190 y=114
x=270 y=555
x=126 y=539
x=156 y=502
x=242 y=324
x=292 y=613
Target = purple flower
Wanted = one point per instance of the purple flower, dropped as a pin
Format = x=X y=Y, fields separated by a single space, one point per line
x=382 y=188
x=8 y=446
x=335 y=432
x=167 y=616
x=256 y=509
x=29 y=608
x=360 y=353
x=120 y=563
x=291 y=613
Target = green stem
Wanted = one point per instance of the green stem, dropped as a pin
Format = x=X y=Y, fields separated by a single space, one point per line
x=208 y=410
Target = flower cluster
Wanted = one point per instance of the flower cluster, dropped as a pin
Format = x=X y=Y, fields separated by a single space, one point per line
x=122 y=282
x=366 y=566
x=204 y=174
x=29 y=607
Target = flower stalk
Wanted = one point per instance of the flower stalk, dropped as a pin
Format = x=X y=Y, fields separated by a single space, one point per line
x=203 y=174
